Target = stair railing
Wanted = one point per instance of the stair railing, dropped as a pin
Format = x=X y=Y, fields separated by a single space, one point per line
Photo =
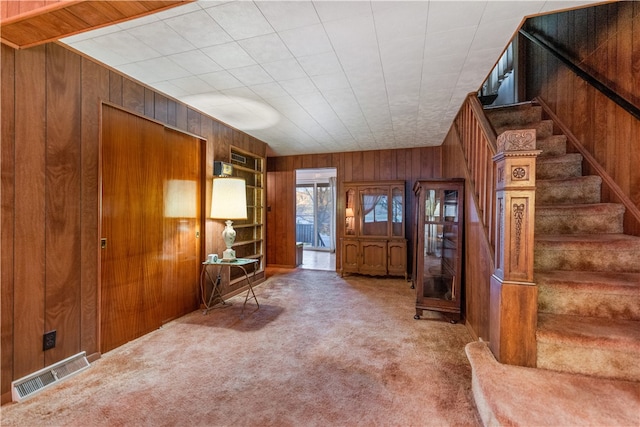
x=501 y=172
x=478 y=141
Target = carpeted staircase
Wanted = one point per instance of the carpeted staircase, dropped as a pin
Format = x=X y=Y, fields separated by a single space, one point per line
x=587 y=270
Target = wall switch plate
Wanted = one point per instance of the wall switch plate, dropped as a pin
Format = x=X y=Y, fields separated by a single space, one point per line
x=49 y=340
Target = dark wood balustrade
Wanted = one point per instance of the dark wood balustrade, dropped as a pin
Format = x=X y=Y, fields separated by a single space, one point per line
x=479 y=146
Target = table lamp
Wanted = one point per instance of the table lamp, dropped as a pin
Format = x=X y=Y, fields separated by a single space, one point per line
x=228 y=202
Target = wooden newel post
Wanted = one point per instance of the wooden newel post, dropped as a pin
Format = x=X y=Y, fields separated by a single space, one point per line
x=514 y=295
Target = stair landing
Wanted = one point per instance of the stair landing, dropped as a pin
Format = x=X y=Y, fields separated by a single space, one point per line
x=508 y=395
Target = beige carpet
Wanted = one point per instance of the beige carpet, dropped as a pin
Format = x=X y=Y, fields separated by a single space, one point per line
x=321 y=350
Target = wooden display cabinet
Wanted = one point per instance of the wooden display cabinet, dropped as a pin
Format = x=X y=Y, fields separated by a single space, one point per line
x=437 y=268
x=374 y=242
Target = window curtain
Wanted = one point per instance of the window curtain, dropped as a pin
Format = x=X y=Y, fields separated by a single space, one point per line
x=334 y=197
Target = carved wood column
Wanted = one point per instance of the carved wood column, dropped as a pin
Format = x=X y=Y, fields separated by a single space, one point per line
x=514 y=295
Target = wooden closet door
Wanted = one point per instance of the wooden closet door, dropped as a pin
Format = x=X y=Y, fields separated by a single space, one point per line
x=181 y=266
x=133 y=162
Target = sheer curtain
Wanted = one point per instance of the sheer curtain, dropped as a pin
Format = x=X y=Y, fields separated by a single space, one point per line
x=334 y=197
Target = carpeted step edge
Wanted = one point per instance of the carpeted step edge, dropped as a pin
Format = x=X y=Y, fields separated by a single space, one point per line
x=584 y=252
x=593 y=218
x=552 y=145
x=607 y=348
x=595 y=294
x=584 y=189
x=563 y=166
x=544 y=128
x=521 y=396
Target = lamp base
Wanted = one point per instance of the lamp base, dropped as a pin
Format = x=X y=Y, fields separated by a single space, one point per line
x=229 y=255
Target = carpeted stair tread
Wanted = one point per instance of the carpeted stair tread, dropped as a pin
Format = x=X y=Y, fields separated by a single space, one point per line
x=561 y=166
x=606 y=281
x=520 y=114
x=586 y=331
x=595 y=294
x=518 y=396
x=544 y=128
x=583 y=189
x=594 y=218
x=587 y=252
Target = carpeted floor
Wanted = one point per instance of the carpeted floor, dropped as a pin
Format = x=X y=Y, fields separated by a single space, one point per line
x=321 y=350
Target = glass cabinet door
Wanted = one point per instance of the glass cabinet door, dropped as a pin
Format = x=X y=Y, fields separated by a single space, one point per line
x=374 y=212
x=397 y=212
x=440 y=255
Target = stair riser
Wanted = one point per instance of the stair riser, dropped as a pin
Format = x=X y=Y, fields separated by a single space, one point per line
x=556 y=145
x=597 y=361
x=569 y=193
x=579 y=223
x=567 y=300
x=523 y=115
x=553 y=170
x=594 y=257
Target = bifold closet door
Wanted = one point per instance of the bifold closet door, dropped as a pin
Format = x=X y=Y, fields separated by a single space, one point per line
x=132 y=227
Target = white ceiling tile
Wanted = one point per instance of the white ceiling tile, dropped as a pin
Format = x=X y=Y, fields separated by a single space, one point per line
x=446 y=42
x=229 y=55
x=170 y=89
x=183 y=9
x=221 y=80
x=155 y=70
x=251 y=75
x=199 y=28
x=399 y=21
x=171 y=42
x=496 y=34
x=98 y=51
x=267 y=48
x=309 y=99
x=332 y=10
x=511 y=9
x=285 y=15
x=269 y=90
x=331 y=81
x=287 y=69
x=446 y=15
x=192 y=85
x=306 y=41
x=195 y=62
x=323 y=63
x=126 y=46
x=298 y=86
x=241 y=19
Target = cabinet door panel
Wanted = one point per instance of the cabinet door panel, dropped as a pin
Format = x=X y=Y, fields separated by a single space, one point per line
x=350 y=256
x=397 y=258
x=374 y=258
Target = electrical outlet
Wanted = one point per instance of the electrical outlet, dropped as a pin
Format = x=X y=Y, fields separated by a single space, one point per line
x=49 y=340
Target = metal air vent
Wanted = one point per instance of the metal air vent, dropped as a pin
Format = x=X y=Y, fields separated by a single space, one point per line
x=38 y=381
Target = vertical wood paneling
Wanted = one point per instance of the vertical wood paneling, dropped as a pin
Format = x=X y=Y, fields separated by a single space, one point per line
x=29 y=244
x=133 y=97
x=95 y=86
x=115 y=88
x=62 y=198
x=7 y=214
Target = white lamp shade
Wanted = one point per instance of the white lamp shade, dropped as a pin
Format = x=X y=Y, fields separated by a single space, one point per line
x=228 y=199
x=180 y=198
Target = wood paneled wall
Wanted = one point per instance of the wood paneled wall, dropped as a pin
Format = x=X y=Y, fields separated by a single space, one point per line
x=409 y=165
x=604 y=39
x=478 y=254
x=50 y=127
